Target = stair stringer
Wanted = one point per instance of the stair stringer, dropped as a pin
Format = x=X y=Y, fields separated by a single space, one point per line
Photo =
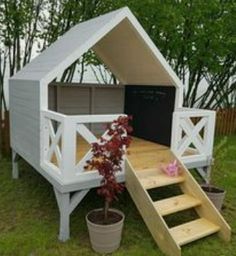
x=206 y=209
x=150 y=214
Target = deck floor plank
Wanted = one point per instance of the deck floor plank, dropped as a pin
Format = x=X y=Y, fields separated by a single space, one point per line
x=142 y=154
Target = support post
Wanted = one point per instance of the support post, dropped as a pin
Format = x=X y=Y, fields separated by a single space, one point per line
x=66 y=205
x=15 y=167
x=63 y=201
x=64 y=232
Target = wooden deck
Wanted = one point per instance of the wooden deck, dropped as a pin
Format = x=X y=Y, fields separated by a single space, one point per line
x=142 y=154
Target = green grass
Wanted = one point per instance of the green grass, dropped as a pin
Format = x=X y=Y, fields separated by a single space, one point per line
x=29 y=218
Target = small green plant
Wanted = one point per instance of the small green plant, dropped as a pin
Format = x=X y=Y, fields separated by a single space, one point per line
x=218 y=165
x=220 y=153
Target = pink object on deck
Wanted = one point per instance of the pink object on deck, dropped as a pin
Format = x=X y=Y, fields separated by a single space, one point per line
x=172 y=169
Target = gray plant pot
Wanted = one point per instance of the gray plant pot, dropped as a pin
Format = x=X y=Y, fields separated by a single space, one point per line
x=105 y=238
x=215 y=194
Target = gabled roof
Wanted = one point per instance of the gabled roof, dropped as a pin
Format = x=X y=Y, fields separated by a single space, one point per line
x=118 y=40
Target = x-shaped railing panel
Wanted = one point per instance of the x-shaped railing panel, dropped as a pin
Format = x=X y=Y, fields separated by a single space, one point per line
x=193 y=139
x=192 y=135
x=54 y=145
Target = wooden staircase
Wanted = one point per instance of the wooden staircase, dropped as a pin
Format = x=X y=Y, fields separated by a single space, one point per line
x=170 y=240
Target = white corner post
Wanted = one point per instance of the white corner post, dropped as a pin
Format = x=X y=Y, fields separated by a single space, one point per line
x=63 y=201
x=68 y=151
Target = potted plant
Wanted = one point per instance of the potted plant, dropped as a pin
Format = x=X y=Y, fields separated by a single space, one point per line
x=105 y=225
x=216 y=194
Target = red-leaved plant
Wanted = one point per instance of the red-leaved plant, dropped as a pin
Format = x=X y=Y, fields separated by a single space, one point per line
x=107 y=158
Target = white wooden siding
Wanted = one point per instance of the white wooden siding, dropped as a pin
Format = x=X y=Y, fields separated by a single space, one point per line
x=24 y=119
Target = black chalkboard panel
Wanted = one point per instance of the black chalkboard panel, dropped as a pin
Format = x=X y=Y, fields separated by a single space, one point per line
x=152 y=108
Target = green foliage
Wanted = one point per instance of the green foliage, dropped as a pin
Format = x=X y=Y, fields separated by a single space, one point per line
x=198 y=38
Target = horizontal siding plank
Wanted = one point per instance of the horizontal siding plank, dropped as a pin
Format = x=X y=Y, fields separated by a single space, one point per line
x=20 y=103
x=25 y=121
x=23 y=90
x=21 y=95
x=73 y=105
x=26 y=143
x=32 y=115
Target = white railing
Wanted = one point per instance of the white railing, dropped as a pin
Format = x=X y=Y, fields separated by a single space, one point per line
x=193 y=135
x=59 y=144
x=51 y=139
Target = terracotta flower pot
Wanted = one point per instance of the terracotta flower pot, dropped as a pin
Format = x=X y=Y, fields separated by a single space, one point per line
x=215 y=194
x=105 y=238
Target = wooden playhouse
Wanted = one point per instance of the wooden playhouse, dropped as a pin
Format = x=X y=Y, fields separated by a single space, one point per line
x=53 y=125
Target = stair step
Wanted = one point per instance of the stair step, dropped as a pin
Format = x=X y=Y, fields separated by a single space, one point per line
x=193 y=230
x=176 y=204
x=153 y=178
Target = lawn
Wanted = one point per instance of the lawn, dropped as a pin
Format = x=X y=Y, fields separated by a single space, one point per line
x=29 y=218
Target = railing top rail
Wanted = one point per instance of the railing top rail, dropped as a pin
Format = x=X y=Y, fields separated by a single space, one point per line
x=81 y=118
x=53 y=115
x=94 y=118
x=194 y=112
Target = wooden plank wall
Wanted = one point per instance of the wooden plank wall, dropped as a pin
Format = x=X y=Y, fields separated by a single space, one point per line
x=79 y=99
x=226 y=121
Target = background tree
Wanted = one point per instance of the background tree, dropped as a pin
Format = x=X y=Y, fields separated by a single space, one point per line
x=198 y=39
x=59 y=18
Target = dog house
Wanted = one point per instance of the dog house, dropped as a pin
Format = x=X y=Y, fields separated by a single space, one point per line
x=53 y=124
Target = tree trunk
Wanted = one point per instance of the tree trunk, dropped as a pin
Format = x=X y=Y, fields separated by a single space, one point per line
x=106 y=208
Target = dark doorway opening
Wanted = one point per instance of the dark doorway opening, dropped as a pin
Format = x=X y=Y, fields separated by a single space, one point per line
x=152 y=108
